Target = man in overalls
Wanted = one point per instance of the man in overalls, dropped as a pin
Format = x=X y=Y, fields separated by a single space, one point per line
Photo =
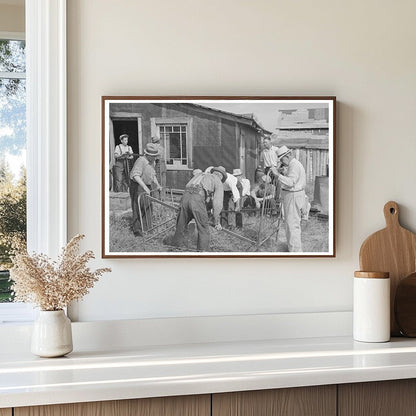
x=202 y=188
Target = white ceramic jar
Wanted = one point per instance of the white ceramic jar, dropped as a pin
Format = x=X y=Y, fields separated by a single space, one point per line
x=52 y=334
x=371 y=310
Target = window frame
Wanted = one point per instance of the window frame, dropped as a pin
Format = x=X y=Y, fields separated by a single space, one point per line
x=165 y=137
x=46 y=137
x=159 y=121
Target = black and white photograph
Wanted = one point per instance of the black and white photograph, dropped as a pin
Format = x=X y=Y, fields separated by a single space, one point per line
x=218 y=176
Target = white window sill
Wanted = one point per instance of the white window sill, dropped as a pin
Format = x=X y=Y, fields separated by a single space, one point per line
x=16 y=313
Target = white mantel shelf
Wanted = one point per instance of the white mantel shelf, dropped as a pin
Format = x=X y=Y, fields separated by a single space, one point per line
x=151 y=371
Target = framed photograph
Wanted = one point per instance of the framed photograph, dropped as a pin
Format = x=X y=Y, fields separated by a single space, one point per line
x=218 y=176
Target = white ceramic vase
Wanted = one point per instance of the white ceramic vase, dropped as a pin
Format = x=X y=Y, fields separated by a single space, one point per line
x=52 y=334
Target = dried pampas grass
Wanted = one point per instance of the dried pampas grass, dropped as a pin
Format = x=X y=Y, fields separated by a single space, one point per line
x=53 y=285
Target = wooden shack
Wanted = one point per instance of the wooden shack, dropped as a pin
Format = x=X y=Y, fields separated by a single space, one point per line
x=312 y=153
x=192 y=136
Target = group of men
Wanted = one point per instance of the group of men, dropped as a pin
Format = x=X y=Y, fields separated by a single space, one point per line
x=212 y=191
x=215 y=187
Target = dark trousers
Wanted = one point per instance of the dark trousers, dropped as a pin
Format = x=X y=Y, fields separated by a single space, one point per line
x=193 y=207
x=144 y=221
x=228 y=195
x=120 y=173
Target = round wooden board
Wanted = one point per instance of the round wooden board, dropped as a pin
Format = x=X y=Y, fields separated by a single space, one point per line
x=405 y=306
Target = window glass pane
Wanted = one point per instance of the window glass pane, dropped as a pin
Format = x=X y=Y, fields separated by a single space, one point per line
x=176 y=128
x=175 y=146
x=12 y=173
x=12 y=56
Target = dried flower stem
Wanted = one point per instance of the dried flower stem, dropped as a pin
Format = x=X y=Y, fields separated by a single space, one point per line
x=53 y=285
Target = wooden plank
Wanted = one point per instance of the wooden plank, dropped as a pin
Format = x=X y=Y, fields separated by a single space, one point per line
x=318 y=161
x=300 y=401
x=384 y=398
x=324 y=162
x=160 y=406
x=5 y=412
x=315 y=163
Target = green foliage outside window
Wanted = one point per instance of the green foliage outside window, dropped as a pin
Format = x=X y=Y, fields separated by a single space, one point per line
x=12 y=148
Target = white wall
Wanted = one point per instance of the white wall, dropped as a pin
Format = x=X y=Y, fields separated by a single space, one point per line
x=361 y=51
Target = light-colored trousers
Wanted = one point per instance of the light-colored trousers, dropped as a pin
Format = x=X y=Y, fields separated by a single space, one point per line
x=293 y=204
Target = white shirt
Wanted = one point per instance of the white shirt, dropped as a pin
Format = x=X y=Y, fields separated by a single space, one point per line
x=269 y=157
x=295 y=179
x=121 y=149
x=231 y=185
x=245 y=183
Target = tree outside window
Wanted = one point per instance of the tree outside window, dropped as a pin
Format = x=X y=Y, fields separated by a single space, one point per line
x=12 y=156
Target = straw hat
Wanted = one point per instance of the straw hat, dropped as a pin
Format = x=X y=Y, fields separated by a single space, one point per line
x=283 y=151
x=222 y=171
x=237 y=172
x=152 y=149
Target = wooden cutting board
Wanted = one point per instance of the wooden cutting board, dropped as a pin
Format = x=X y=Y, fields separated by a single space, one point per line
x=393 y=250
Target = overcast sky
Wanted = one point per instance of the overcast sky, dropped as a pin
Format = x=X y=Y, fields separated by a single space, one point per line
x=266 y=113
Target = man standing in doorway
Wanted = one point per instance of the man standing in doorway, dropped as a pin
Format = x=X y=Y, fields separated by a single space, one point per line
x=293 y=183
x=122 y=153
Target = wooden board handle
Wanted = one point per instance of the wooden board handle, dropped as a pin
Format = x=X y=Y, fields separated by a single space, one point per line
x=391 y=214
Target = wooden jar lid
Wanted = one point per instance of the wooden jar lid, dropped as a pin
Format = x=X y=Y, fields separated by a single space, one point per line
x=372 y=275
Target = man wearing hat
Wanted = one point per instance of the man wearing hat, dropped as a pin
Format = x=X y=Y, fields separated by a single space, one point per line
x=142 y=177
x=122 y=152
x=160 y=162
x=202 y=189
x=293 y=183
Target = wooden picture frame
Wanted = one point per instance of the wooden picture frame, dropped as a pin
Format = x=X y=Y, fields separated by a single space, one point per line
x=278 y=198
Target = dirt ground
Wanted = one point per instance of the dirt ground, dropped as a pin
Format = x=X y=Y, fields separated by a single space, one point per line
x=269 y=230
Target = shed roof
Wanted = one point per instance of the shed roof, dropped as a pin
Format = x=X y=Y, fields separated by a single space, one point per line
x=307 y=143
x=303 y=126
x=246 y=119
